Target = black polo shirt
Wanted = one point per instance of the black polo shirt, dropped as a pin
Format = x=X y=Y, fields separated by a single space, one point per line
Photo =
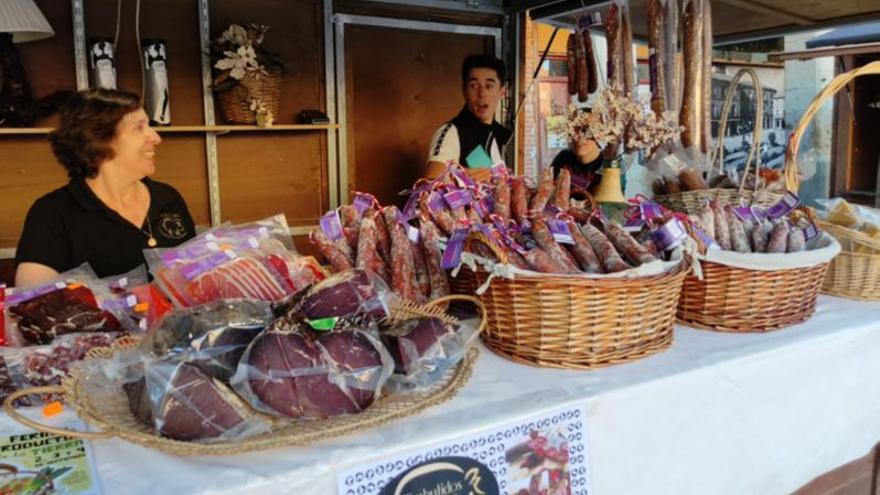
x=71 y=226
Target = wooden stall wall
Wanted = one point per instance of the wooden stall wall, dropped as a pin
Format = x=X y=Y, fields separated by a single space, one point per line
x=396 y=97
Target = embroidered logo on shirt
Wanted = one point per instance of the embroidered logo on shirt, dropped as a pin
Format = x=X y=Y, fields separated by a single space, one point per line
x=171 y=226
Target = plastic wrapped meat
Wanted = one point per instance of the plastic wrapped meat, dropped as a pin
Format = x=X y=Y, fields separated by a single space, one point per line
x=291 y=373
x=423 y=349
x=211 y=336
x=188 y=405
x=241 y=277
x=349 y=293
x=67 y=310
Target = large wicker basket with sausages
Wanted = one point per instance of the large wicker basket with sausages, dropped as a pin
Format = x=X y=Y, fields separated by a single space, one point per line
x=577 y=321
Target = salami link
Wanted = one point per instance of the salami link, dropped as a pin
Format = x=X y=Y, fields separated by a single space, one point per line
x=580 y=215
x=338 y=259
x=626 y=244
x=593 y=79
x=433 y=254
x=722 y=229
x=797 y=241
x=516 y=259
x=349 y=216
x=441 y=218
x=502 y=200
x=571 y=52
x=656 y=54
x=367 y=256
x=519 y=205
x=545 y=190
x=351 y=237
x=612 y=37
x=583 y=75
x=473 y=217
x=670 y=48
x=604 y=249
x=383 y=238
x=628 y=63
x=562 y=196
x=778 y=242
x=706 y=110
x=583 y=251
x=423 y=279
x=738 y=240
x=688 y=116
x=546 y=241
x=759 y=238
x=540 y=261
x=403 y=271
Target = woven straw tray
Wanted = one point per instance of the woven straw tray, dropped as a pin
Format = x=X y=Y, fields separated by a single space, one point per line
x=114 y=418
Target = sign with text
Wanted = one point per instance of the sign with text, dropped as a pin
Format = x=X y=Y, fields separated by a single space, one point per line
x=545 y=453
x=40 y=463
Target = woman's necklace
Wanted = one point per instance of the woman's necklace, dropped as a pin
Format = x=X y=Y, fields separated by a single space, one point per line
x=151 y=241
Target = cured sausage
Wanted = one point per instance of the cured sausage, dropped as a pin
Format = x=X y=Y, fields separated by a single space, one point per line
x=689 y=115
x=519 y=206
x=593 y=79
x=571 y=51
x=656 y=54
x=612 y=37
x=338 y=259
x=608 y=256
x=583 y=251
x=797 y=241
x=540 y=261
x=403 y=271
x=670 y=47
x=738 y=240
x=546 y=241
x=626 y=244
x=423 y=279
x=581 y=69
x=545 y=190
x=706 y=110
x=778 y=242
x=367 y=256
x=759 y=238
x=502 y=200
x=433 y=254
x=722 y=228
x=562 y=196
x=626 y=42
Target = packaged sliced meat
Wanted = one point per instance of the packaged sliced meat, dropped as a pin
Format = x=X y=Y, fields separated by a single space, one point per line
x=212 y=336
x=71 y=303
x=186 y=404
x=343 y=295
x=423 y=350
x=297 y=373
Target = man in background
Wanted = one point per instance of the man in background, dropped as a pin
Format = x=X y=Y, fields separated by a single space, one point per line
x=473 y=138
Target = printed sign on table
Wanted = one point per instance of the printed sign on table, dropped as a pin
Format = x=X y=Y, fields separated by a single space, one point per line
x=44 y=464
x=542 y=455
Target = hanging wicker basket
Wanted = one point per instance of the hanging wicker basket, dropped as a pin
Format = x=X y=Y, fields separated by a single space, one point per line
x=853 y=273
x=112 y=415
x=693 y=201
x=235 y=103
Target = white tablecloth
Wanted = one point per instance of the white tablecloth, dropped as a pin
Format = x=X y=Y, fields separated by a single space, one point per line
x=716 y=413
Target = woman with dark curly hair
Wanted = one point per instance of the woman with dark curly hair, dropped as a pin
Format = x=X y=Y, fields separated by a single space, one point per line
x=110 y=211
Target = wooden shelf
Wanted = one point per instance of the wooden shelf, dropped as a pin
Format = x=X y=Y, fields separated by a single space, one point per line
x=194 y=128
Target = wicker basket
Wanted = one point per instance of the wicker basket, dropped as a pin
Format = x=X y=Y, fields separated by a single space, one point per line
x=114 y=418
x=235 y=103
x=732 y=299
x=580 y=322
x=853 y=275
x=693 y=201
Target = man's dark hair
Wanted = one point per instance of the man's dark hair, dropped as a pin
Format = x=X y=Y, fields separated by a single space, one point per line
x=88 y=124
x=481 y=60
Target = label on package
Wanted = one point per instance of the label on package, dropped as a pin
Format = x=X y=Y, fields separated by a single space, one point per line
x=669 y=235
x=193 y=270
x=560 y=231
x=458 y=198
x=785 y=206
x=331 y=225
x=452 y=254
x=363 y=201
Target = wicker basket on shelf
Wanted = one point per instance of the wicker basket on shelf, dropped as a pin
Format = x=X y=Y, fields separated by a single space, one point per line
x=235 y=102
x=854 y=273
x=576 y=322
x=693 y=201
x=112 y=416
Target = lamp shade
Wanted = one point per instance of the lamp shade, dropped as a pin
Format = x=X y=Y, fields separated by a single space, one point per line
x=23 y=20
